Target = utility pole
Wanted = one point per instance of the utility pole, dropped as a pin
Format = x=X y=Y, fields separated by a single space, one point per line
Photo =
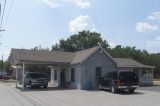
x=0 y=9
x=2 y=65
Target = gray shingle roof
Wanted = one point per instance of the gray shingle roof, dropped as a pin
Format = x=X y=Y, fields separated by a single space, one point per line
x=19 y=55
x=41 y=56
x=128 y=62
x=84 y=54
x=24 y=55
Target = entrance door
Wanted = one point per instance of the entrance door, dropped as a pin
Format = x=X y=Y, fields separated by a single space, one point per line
x=62 y=77
x=98 y=75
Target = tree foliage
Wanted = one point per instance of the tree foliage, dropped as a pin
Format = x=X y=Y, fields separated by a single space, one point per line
x=39 y=48
x=141 y=56
x=80 y=41
x=6 y=65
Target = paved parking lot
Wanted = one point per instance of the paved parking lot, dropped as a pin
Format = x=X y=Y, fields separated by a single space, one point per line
x=151 y=88
x=10 y=96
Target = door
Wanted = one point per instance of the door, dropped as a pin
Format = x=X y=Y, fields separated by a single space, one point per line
x=62 y=77
x=98 y=75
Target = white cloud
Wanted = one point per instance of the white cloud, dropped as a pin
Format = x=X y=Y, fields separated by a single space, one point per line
x=51 y=3
x=154 y=43
x=145 y=27
x=82 y=22
x=56 y=3
x=154 y=16
x=80 y=3
x=113 y=45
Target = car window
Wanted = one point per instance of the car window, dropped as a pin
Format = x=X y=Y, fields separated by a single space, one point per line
x=27 y=76
x=112 y=75
x=36 y=75
x=127 y=76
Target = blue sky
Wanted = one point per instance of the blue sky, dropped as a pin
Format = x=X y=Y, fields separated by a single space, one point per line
x=43 y=22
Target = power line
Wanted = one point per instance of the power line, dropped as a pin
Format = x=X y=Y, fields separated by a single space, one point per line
x=4 y=7
x=9 y=11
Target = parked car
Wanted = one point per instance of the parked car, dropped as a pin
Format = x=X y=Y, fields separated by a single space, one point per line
x=35 y=80
x=2 y=77
x=116 y=81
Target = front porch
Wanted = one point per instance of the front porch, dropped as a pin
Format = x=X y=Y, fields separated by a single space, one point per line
x=58 y=74
x=145 y=76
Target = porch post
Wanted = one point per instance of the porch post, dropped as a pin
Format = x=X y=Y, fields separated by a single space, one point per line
x=152 y=75
x=139 y=77
x=16 y=76
x=58 y=75
x=23 y=71
x=52 y=75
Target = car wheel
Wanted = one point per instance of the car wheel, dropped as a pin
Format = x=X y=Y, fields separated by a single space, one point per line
x=100 y=87
x=25 y=85
x=114 y=90
x=44 y=86
x=131 y=90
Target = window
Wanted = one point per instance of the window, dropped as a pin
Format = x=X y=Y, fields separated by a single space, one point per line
x=55 y=74
x=72 y=74
x=128 y=76
x=111 y=75
x=98 y=73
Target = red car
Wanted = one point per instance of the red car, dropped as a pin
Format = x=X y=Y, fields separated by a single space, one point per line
x=2 y=77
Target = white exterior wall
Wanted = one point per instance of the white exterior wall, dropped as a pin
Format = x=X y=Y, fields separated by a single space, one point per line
x=77 y=83
x=98 y=59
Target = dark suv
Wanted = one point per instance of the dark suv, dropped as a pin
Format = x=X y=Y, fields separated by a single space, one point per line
x=35 y=80
x=116 y=81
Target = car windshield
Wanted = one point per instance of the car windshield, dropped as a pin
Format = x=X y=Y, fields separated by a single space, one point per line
x=36 y=75
x=127 y=76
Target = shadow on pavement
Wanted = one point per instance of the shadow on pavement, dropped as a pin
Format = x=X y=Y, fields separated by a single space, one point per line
x=126 y=92
x=27 y=89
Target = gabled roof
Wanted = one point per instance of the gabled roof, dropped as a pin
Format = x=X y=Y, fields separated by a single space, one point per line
x=128 y=62
x=83 y=55
x=24 y=55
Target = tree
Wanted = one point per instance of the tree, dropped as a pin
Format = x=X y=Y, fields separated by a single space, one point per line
x=7 y=66
x=39 y=48
x=82 y=40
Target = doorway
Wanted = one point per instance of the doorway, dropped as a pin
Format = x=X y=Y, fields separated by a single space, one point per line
x=62 y=77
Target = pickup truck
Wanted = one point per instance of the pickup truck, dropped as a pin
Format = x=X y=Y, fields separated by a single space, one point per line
x=117 y=81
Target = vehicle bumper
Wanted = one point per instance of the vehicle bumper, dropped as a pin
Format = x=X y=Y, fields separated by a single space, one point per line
x=39 y=84
x=127 y=87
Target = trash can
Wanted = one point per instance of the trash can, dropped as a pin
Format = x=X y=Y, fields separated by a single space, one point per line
x=88 y=85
